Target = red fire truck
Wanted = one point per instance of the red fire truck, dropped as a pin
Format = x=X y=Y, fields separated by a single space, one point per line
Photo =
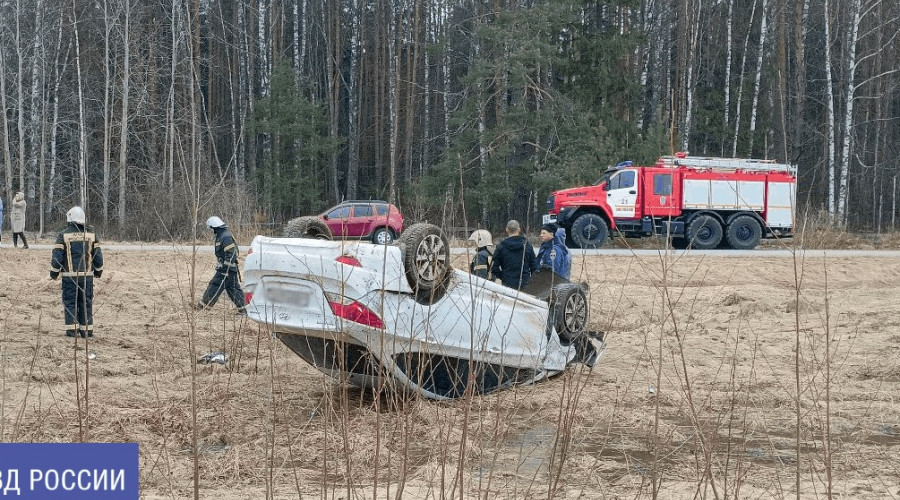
x=699 y=202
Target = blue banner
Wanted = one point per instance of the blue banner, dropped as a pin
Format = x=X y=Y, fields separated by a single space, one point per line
x=89 y=471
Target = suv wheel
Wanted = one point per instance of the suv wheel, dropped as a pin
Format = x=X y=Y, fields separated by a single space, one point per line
x=383 y=236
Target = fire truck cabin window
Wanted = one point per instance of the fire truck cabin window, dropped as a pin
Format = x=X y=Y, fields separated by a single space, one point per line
x=662 y=184
x=622 y=180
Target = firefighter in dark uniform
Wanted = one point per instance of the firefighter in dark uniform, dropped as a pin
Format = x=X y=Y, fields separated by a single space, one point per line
x=227 y=277
x=78 y=258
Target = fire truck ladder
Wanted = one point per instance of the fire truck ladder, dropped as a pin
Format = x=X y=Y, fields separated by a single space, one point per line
x=728 y=164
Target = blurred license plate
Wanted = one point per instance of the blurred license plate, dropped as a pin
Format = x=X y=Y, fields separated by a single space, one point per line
x=292 y=295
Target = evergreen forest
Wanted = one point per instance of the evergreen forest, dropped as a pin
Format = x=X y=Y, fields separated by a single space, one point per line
x=153 y=114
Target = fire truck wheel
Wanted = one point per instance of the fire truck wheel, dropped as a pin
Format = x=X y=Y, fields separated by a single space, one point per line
x=705 y=233
x=568 y=311
x=307 y=227
x=743 y=233
x=589 y=231
x=426 y=261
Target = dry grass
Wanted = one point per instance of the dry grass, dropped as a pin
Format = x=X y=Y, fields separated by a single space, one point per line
x=697 y=395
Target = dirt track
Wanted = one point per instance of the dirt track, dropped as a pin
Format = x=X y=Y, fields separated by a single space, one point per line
x=700 y=401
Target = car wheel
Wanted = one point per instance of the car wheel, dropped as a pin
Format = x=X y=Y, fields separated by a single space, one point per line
x=704 y=233
x=307 y=227
x=743 y=233
x=426 y=261
x=569 y=311
x=589 y=231
x=383 y=236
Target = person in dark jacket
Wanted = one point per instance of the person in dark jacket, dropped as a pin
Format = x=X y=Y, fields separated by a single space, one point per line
x=514 y=258
x=78 y=258
x=484 y=253
x=553 y=253
x=227 y=277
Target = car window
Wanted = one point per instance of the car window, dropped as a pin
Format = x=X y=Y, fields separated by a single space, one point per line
x=662 y=184
x=624 y=179
x=381 y=209
x=362 y=210
x=339 y=213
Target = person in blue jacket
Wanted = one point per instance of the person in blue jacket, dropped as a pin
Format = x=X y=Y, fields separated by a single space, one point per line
x=77 y=257
x=227 y=278
x=553 y=253
x=514 y=259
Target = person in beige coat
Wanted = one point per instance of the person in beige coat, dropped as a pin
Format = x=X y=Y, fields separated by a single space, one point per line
x=17 y=219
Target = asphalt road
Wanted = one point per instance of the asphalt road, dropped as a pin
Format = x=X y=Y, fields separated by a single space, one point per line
x=575 y=252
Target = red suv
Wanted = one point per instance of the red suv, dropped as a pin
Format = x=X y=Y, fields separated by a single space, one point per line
x=378 y=221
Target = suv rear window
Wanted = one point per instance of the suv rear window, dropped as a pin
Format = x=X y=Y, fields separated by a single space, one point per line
x=362 y=210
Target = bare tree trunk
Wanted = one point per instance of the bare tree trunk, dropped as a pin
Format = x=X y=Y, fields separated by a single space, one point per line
x=393 y=92
x=107 y=133
x=37 y=81
x=759 y=65
x=54 y=127
x=123 y=127
x=830 y=119
x=7 y=156
x=850 y=97
x=170 y=108
x=801 y=14
x=412 y=64
x=353 y=103
x=740 y=96
x=82 y=127
x=20 y=56
x=728 y=57
x=694 y=20
x=332 y=20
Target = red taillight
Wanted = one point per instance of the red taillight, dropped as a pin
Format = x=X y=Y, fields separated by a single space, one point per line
x=355 y=312
x=349 y=260
x=249 y=250
x=248 y=296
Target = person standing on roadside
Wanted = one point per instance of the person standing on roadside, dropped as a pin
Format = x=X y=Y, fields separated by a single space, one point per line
x=227 y=277
x=514 y=258
x=481 y=263
x=553 y=253
x=17 y=219
x=78 y=258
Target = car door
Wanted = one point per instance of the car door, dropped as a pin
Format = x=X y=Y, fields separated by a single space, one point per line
x=336 y=219
x=360 y=223
x=622 y=193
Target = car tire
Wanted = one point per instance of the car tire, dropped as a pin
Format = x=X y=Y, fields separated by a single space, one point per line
x=426 y=261
x=569 y=312
x=704 y=233
x=743 y=233
x=589 y=231
x=307 y=227
x=383 y=236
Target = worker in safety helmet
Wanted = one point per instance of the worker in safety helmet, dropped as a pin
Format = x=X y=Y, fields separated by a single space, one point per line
x=484 y=252
x=78 y=258
x=227 y=277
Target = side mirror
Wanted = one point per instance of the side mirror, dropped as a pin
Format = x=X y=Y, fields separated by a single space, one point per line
x=325 y=216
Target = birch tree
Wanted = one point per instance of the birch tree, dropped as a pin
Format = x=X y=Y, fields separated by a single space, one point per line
x=123 y=119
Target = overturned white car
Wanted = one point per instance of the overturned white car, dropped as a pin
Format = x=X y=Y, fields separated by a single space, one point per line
x=399 y=317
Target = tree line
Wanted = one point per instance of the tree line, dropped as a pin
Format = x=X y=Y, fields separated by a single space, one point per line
x=463 y=112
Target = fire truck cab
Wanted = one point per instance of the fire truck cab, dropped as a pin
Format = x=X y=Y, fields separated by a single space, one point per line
x=698 y=202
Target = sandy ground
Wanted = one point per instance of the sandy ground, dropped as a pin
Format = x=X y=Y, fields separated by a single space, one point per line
x=723 y=377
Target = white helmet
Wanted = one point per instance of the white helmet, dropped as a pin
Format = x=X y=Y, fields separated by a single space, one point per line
x=214 y=222
x=76 y=215
x=481 y=238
